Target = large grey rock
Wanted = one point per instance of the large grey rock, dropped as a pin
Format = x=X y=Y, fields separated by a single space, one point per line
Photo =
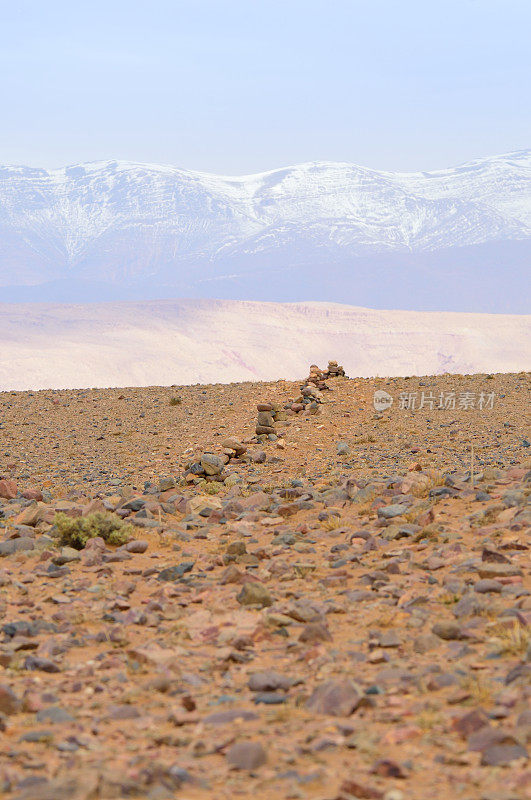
x=265 y=418
x=269 y=681
x=246 y=755
x=254 y=594
x=212 y=464
x=10 y=546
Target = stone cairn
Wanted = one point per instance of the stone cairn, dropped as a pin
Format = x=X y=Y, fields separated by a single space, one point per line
x=307 y=402
x=268 y=414
x=318 y=377
x=335 y=370
x=211 y=466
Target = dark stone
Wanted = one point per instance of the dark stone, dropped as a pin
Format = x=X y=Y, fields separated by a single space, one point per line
x=123 y=712
x=9 y=702
x=42 y=664
x=315 y=632
x=254 y=594
x=174 y=573
x=269 y=698
x=470 y=723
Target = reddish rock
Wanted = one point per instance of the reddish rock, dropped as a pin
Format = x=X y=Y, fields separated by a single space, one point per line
x=386 y=768
x=470 y=723
x=8 y=489
x=336 y=698
x=32 y=494
x=9 y=702
x=315 y=632
x=351 y=788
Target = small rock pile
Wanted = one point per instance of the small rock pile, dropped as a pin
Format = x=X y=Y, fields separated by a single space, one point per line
x=318 y=377
x=270 y=413
x=308 y=401
x=267 y=416
x=335 y=370
x=211 y=465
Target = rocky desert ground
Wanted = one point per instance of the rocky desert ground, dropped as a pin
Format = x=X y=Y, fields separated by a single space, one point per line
x=337 y=607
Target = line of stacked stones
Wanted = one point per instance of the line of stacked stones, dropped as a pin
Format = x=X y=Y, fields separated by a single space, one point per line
x=270 y=413
x=211 y=466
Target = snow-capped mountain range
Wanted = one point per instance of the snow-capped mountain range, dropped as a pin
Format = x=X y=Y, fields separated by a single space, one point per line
x=456 y=239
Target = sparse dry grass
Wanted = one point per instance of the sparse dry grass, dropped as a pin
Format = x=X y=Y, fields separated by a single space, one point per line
x=332 y=523
x=387 y=617
x=429 y=718
x=510 y=639
x=165 y=538
x=479 y=688
x=212 y=487
x=428 y=532
x=448 y=599
x=364 y=440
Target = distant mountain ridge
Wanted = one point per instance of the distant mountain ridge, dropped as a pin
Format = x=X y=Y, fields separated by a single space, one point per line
x=162 y=342
x=321 y=230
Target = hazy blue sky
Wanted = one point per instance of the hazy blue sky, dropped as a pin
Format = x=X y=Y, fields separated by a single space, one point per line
x=234 y=86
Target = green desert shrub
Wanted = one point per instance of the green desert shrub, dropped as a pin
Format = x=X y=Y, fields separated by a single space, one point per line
x=76 y=531
x=212 y=488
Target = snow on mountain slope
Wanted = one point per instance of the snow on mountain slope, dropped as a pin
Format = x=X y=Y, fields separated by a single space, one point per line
x=501 y=182
x=132 y=224
x=207 y=341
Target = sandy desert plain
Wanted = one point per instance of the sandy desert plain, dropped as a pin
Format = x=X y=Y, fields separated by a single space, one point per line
x=340 y=611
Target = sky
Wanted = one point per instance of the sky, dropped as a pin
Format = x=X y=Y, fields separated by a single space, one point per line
x=241 y=86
